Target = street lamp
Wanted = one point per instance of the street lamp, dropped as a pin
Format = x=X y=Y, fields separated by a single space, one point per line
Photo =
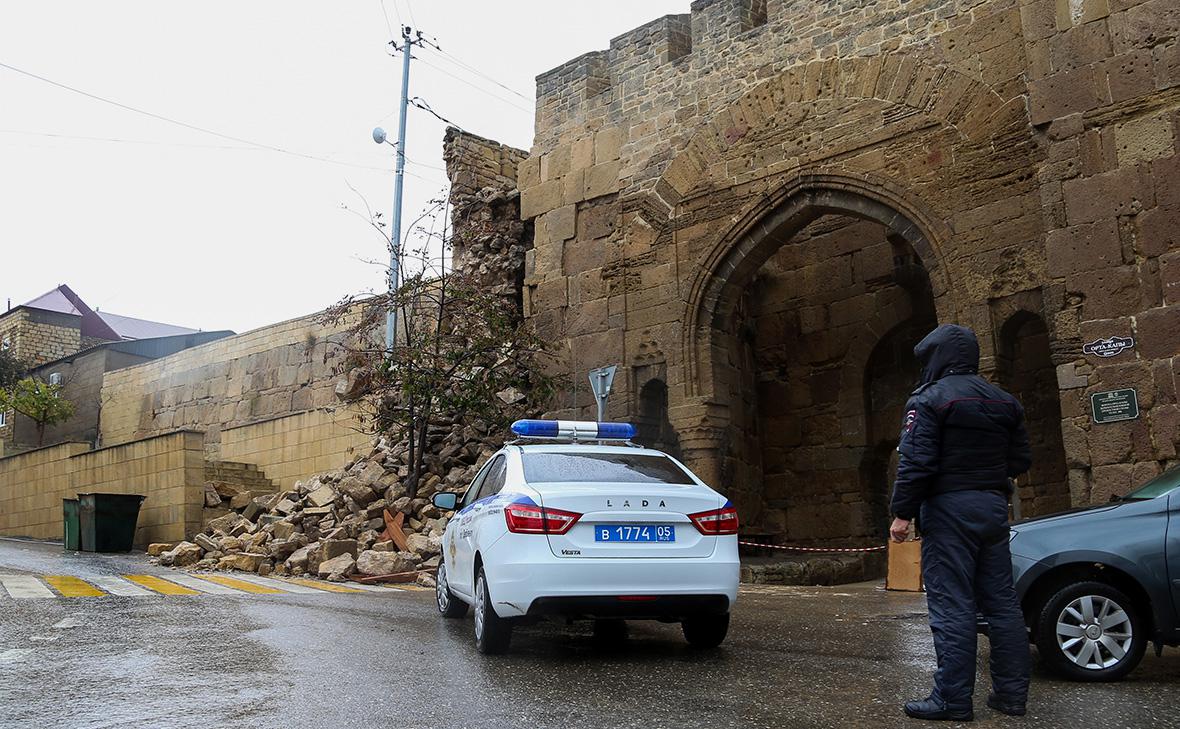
x=380 y=137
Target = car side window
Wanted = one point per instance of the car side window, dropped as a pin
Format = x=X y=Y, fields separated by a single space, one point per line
x=470 y=496
x=495 y=478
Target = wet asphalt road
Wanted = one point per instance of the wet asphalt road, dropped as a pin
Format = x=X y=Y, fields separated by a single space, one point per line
x=796 y=657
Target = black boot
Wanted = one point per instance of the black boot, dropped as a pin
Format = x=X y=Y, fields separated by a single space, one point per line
x=936 y=710
x=1004 y=706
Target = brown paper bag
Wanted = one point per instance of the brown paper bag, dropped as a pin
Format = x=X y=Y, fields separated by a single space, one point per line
x=905 y=566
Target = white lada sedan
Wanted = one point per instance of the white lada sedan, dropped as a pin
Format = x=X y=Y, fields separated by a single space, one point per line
x=577 y=523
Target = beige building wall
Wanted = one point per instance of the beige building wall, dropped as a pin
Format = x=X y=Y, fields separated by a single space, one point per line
x=167 y=469
x=296 y=446
x=270 y=372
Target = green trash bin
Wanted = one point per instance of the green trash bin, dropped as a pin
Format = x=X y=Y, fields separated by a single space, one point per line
x=107 y=521
x=70 y=526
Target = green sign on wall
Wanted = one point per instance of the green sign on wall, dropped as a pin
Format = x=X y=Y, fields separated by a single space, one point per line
x=1114 y=405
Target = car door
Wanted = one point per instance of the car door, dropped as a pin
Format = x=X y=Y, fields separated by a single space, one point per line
x=459 y=554
x=1172 y=550
x=492 y=483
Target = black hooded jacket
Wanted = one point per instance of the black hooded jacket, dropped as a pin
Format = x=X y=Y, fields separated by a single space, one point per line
x=959 y=432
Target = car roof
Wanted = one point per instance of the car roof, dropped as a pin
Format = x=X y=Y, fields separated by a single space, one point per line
x=585 y=448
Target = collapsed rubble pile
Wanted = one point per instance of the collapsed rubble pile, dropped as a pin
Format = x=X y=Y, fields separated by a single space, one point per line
x=355 y=521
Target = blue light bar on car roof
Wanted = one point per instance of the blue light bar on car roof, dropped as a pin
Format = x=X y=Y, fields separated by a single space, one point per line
x=573 y=429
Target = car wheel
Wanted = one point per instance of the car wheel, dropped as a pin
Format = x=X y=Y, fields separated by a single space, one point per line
x=1091 y=631
x=492 y=632
x=610 y=631
x=449 y=606
x=706 y=631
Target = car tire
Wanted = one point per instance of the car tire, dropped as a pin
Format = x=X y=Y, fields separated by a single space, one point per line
x=706 y=631
x=449 y=606
x=1084 y=626
x=610 y=631
x=492 y=632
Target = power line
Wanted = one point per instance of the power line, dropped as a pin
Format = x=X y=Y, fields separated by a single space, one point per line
x=471 y=69
x=476 y=86
x=186 y=125
x=150 y=142
x=420 y=103
x=385 y=14
x=127 y=141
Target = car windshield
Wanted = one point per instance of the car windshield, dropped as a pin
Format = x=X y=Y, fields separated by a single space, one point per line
x=1157 y=486
x=602 y=468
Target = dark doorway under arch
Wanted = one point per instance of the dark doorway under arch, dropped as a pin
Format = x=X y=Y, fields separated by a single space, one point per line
x=652 y=426
x=1025 y=368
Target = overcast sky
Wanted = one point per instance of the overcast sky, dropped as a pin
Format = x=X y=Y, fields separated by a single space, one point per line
x=146 y=218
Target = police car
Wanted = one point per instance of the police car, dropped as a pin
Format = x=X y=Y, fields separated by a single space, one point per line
x=574 y=521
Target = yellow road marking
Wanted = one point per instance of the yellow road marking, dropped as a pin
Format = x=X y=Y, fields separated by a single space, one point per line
x=73 y=587
x=240 y=584
x=329 y=586
x=162 y=586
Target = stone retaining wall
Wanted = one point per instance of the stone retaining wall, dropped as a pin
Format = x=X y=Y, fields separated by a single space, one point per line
x=167 y=469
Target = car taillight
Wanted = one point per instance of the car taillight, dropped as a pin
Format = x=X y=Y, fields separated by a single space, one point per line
x=717 y=521
x=528 y=519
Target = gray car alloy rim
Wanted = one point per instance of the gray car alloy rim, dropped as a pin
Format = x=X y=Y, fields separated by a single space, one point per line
x=440 y=589
x=479 y=606
x=1094 y=632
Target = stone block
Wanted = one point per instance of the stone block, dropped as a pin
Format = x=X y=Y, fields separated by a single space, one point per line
x=1170 y=277
x=1144 y=140
x=1112 y=480
x=1068 y=377
x=1085 y=247
x=601 y=179
x=608 y=144
x=540 y=198
x=322 y=496
x=556 y=163
x=1159 y=332
x=597 y=221
x=562 y=222
x=1125 y=191
x=331 y=548
x=1130 y=75
x=206 y=543
x=1064 y=93
x=582 y=153
x=358 y=490
x=375 y=562
x=1158 y=231
x=337 y=568
x=157 y=548
x=1146 y=25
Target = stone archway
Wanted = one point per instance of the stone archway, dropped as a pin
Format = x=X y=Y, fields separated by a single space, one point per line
x=780 y=159
x=782 y=420
x=770 y=224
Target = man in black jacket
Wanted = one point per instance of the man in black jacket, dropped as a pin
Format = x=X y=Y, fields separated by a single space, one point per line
x=962 y=439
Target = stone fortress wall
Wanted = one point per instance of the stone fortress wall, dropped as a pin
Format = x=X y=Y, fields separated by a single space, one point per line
x=1006 y=165
x=270 y=372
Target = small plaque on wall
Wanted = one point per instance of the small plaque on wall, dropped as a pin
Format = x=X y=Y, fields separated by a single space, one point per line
x=1114 y=405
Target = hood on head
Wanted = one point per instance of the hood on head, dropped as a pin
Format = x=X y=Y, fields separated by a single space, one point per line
x=948 y=350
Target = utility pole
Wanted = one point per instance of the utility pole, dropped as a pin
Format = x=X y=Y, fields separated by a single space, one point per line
x=395 y=233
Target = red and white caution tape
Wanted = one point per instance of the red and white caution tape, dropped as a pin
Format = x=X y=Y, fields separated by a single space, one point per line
x=813 y=549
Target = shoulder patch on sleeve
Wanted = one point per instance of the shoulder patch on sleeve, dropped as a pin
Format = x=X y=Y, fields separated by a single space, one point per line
x=911 y=417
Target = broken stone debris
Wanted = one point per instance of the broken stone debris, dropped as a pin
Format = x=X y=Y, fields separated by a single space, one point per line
x=338 y=524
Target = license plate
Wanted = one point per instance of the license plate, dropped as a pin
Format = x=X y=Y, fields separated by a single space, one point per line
x=635 y=533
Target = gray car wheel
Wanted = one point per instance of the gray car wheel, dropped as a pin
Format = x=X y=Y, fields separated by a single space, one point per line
x=449 y=606
x=492 y=632
x=1091 y=631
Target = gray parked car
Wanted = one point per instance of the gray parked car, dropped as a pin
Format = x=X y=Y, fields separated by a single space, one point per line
x=1097 y=584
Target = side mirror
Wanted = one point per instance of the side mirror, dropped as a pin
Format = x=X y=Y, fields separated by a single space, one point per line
x=445 y=500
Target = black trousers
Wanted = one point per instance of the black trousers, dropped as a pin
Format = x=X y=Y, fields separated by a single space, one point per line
x=967 y=567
